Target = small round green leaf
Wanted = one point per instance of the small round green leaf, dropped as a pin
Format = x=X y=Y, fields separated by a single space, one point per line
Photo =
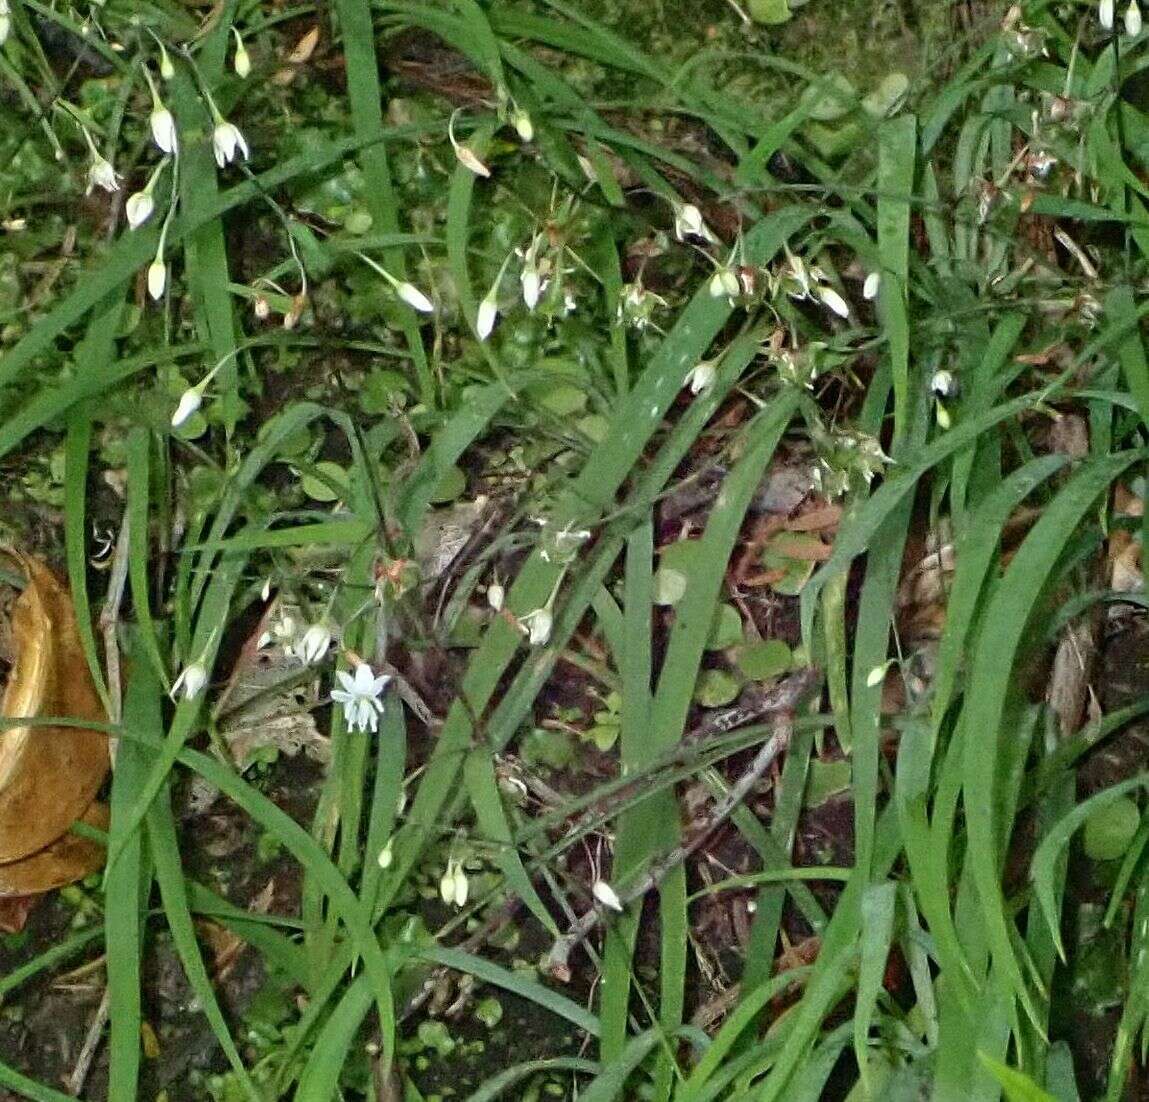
x=326 y=482
x=761 y=661
x=716 y=688
x=725 y=628
x=1110 y=829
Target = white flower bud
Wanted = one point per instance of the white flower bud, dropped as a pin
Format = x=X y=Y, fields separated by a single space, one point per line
x=606 y=895
x=1105 y=14
x=189 y=402
x=469 y=161
x=139 y=208
x=1133 y=19
x=532 y=285
x=871 y=286
x=157 y=278
x=387 y=854
x=485 y=316
x=537 y=625
x=164 y=129
x=835 y=301
x=414 y=298
x=521 y=121
x=241 y=61
x=167 y=69
x=496 y=595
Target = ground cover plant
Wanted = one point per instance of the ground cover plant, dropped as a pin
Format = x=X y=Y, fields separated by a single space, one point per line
x=573 y=550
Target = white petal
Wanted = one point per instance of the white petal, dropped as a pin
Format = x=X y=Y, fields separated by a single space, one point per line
x=532 y=286
x=1133 y=19
x=870 y=287
x=496 y=594
x=1105 y=14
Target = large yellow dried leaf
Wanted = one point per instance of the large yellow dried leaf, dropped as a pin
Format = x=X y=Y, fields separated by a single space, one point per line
x=48 y=775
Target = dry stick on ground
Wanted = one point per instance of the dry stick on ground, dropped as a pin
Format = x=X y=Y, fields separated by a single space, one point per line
x=557 y=963
x=91 y=1043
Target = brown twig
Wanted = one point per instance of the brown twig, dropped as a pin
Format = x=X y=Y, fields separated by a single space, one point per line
x=91 y=1044
x=557 y=963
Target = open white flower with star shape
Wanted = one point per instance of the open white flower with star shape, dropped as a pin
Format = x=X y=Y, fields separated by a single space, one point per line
x=360 y=697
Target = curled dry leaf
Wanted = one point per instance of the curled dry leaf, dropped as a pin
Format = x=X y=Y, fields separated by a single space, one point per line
x=49 y=775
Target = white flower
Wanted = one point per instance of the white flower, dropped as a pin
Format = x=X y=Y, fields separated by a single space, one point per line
x=360 y=697
x=242 y=61
x=282 y=629
x=496 y=594
x=537 y=624
x=226 y=139
x=485 y=316
x=5 y=21
x=701 y=376
x=163 y=128
x=944 y=384
x=190 y=401
x=521 y=121
x=190 y=682
x=1133 y=19
x=454 y=886
x=139 y=208
x=606 y=895
x=414 y=298
x=314 y=644
x=835 y=301
x=724 y=282
x=532 y=284
x=157 y=278
x=1105 y=14
x=102 y=174
x=870 y=287
x=688 y=223
x=387 y=854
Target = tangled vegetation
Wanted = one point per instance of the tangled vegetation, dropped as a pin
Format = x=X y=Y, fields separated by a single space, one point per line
x=603 y=540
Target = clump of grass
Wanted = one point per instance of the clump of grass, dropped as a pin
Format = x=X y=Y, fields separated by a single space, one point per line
x=339 y=322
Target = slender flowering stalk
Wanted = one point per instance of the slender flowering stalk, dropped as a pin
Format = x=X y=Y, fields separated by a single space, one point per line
x=464 y=153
